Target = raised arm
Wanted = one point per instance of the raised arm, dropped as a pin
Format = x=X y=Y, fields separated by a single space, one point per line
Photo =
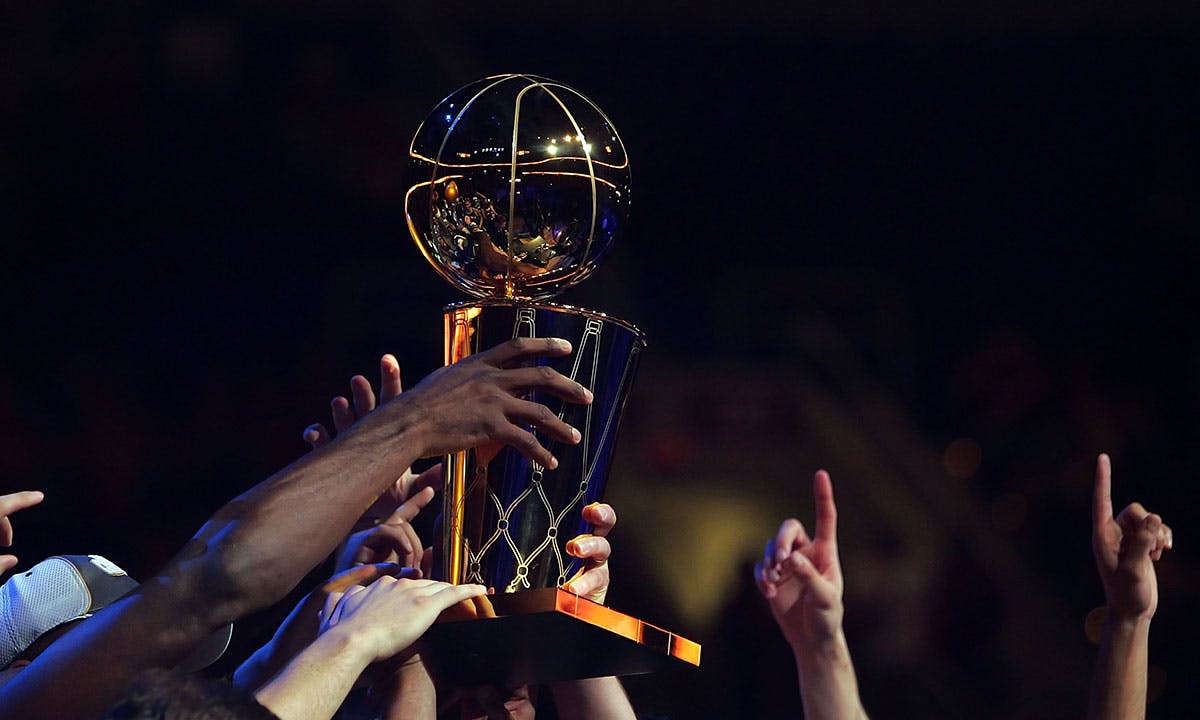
x=1125 y=547
x=801 y=578
x=362 y=626
x=257 y=547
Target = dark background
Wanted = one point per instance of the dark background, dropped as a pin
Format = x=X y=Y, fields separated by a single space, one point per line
x=945 y=253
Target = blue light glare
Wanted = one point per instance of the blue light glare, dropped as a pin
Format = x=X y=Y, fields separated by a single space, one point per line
x=448 y=117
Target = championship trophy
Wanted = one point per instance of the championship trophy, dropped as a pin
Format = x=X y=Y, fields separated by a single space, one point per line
x=520 y=185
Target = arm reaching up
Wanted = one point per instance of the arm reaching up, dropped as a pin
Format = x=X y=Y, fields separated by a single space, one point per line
x=801 y=578
x=259 y=545
x=359 y=627
x=1125 y=547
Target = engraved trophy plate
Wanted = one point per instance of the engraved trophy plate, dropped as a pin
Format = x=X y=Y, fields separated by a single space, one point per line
x=520 y=187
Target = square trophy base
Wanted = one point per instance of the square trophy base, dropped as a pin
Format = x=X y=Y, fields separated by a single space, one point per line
x=547 y=635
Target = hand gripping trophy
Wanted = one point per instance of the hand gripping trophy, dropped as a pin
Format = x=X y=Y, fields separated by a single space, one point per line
x=520 y=186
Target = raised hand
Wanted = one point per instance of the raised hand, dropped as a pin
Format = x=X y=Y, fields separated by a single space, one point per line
x=346 y=412
x=388 y=616
x=10 y=504
x=801 y=577
x=477 y=401
x=592 y=579
x=392 y=541
x=1125 y=548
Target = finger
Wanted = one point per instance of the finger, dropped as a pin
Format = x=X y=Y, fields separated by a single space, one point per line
x=524 y=412
x=412 y=506
x=330 y=610
x=602 y=518
x=1162 y=535
x=765 y=587
x=431 y=478
x=427 y=562
x=543 y=378
x=364 y=575
x=520 y=349
x=1102 y=511
x=316 y=435
x=591 y=583
x=1132 y=517
x=389 y=378
x=447 y=595
x=1137 y=536
x=791 y=535
x=826 y=529
x=525 y=443
x=343 y=416
x=7 y=562
x=6 y=532
x=364 y=396
x=388 y=543
x=13 y=502
x=821 y=589
x=589 y=547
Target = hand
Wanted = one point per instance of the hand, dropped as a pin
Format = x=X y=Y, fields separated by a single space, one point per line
x=1125 y=549
x=301 y=626
x=9 y=504
x=392 y=541
x=802 y=578
x=389 y=615
x=592 y=579
x=345 y=414
x=476 y=402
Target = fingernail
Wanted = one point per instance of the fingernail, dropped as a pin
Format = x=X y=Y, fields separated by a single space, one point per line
x=587 y=394
x=553 y=462
x=560 y=344
x=575 y=436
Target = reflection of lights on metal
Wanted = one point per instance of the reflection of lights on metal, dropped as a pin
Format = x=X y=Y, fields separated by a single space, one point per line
x=962 y=458
x=461 y=166
x=1093 y=624
x=602 y=181
x=552 y=149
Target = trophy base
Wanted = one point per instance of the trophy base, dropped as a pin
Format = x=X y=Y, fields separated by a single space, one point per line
x=547 y=635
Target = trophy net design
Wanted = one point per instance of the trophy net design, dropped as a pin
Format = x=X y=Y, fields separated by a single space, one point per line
x=521 y=185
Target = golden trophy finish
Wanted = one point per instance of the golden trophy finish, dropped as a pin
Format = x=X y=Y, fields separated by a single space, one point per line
x=520 y=187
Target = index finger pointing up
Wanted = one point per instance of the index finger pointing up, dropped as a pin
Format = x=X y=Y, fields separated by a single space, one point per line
x=826 y=511
x=1102 y=512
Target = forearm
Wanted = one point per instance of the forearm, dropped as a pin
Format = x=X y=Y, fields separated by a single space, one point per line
x=600 y=698
x=260 y=544
x=315 y=683
x=828 y=685
x=1119 y=686
x=410 y=693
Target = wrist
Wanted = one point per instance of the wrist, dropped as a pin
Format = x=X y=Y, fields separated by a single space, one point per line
x=821 y=653
x=349 y=643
